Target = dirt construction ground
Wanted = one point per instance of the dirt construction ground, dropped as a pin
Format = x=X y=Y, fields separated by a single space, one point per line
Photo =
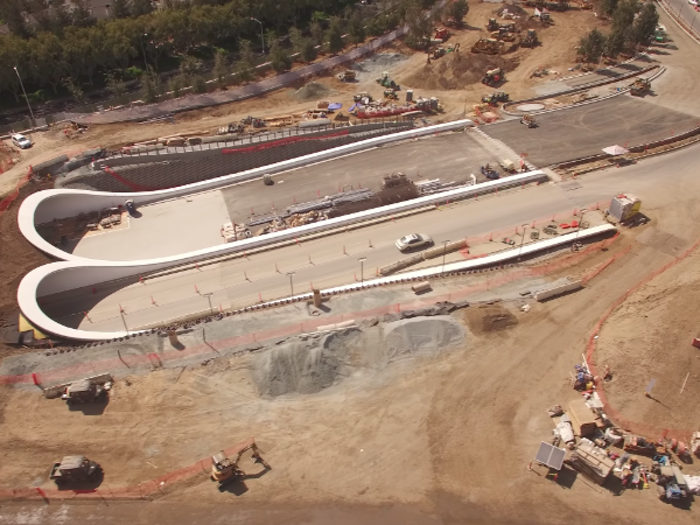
x=441 y=434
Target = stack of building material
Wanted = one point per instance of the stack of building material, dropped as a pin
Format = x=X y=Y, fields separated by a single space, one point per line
x=232 y=232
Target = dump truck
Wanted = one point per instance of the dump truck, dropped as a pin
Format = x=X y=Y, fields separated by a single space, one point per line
x=74 y=469
x=493 y=77
x=530 y=39
x=640 y=87
x=488 y=46
x=223 y=470
x=442 y=34
x=84 y=391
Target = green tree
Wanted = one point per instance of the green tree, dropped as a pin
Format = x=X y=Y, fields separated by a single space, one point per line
x=623 y=16
x=420 y=27
x=81 y=15
x=177 y=84
x=356 y=28
x=645 y=25
x=607 y=7
x=335 y=36
x=279 y=58
x=245 y=67
x=115 y=84
x=317 y=33
x=140 y=7
x=11 y=13
x=458 y=9
x=119 y=9
x=308 y=52
x=46 y=60
x=591 y=47
x=221 y=68
x=150 y=86
x=614 y=44
x=199 y=85
x=74 y=89
x=13 y=52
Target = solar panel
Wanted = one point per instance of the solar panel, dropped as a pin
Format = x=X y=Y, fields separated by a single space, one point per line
x=551 y=456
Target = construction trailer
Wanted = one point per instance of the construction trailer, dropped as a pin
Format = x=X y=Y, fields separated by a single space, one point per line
x=624 y=207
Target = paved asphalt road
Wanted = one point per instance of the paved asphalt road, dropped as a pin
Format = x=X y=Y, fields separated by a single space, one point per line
x=687 y=12
x=584 y=130
x=176 y=296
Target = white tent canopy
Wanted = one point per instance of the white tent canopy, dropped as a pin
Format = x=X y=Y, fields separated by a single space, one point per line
x=615 y=150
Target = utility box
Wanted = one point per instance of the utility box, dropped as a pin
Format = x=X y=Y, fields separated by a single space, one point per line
x=624 y=206
x=409 y=95
x=582 y=418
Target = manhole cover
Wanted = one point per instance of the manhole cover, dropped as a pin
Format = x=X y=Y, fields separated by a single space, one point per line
x=531 y=107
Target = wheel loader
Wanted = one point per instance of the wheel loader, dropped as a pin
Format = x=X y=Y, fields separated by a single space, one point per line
x=223 y=470
x=530 y=39
x=640 y=87
x=488 y=46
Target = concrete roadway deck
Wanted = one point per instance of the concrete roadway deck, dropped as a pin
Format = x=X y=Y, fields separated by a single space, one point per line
x=585 y=130
x=175 y=295
x=187 y=224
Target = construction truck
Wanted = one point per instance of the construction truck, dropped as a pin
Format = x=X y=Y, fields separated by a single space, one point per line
x=640 y=87
x=223 y=470
x=231 y=128
x=493 y=25
x=348 y=76
x=387 y=82
x=494 y=98
x=488 y=46
x=74 y=469
x=85 y=391
x=504 y=35
x=493 y=77
x=390 y=94
x=254 y=122
x=442 y=34
x=529 y=121
x=530 y=39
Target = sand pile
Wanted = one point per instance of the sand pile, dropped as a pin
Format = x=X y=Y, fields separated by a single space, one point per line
x=311 y=91
x=421 y=335
x=456 y=71
x=311 y=363
x=490 y=318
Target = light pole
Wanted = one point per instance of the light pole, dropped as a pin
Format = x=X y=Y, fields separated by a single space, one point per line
x=143 y=49
x=362 y=269
x=262 y=35
x=444 y=254
x=26 y=97
x=522 y=240
x=583 y=212
x=291 y=282
x=208 y=296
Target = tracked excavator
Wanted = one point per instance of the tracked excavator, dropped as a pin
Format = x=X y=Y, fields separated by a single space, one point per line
x=223 y=470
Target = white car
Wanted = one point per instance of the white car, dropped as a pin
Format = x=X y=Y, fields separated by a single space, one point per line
x=694 y=3
x=414 y=240
x=21 y=141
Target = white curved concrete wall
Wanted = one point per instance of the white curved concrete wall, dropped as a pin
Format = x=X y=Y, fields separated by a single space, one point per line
x=74 y=274
x=47 y=205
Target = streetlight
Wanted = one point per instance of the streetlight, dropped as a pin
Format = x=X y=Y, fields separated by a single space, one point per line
x=26 y=98
x=143 y=49
x=362 y=269
x=522 y=240
x=291 y=282
x=583 y=212
x=208 y=296
x=262 y=36
x=444 y=254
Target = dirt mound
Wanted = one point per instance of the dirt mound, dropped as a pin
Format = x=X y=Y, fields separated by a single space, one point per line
x=457 y=71
x=418 y=335
x=490 y=318
x=379 y=63
x=514 y=9
x=311 y=91
x=305 y=365
x=310 y=363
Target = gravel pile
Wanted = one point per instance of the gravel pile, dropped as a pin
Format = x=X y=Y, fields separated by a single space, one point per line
x=422 y=335
x=311 y=91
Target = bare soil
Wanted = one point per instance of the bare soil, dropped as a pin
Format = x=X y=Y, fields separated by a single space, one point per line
x=490 y=318
x=649 y=339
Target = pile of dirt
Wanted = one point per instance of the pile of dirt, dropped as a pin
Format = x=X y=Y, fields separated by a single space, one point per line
x=422 y=334
x=311 y=91
x=513 y=9
x=379 y=63
x=490 y=318
x=457 y=71
x=310 y=363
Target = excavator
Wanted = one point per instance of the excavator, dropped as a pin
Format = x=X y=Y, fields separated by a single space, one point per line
x=223 y=470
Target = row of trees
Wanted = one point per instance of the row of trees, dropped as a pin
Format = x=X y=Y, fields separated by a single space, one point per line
x=633 y=25
x=67 y=52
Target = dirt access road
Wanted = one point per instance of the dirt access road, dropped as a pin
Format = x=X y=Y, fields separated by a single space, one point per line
x=430 y=439
x=455 y=82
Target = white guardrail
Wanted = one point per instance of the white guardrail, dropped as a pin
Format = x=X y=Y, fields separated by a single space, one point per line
x=32 y=282
x=45 y=206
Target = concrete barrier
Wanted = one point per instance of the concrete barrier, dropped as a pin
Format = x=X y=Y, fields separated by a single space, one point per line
x=557 y=291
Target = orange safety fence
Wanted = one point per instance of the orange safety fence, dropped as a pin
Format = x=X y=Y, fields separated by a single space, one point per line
x=615 y=415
